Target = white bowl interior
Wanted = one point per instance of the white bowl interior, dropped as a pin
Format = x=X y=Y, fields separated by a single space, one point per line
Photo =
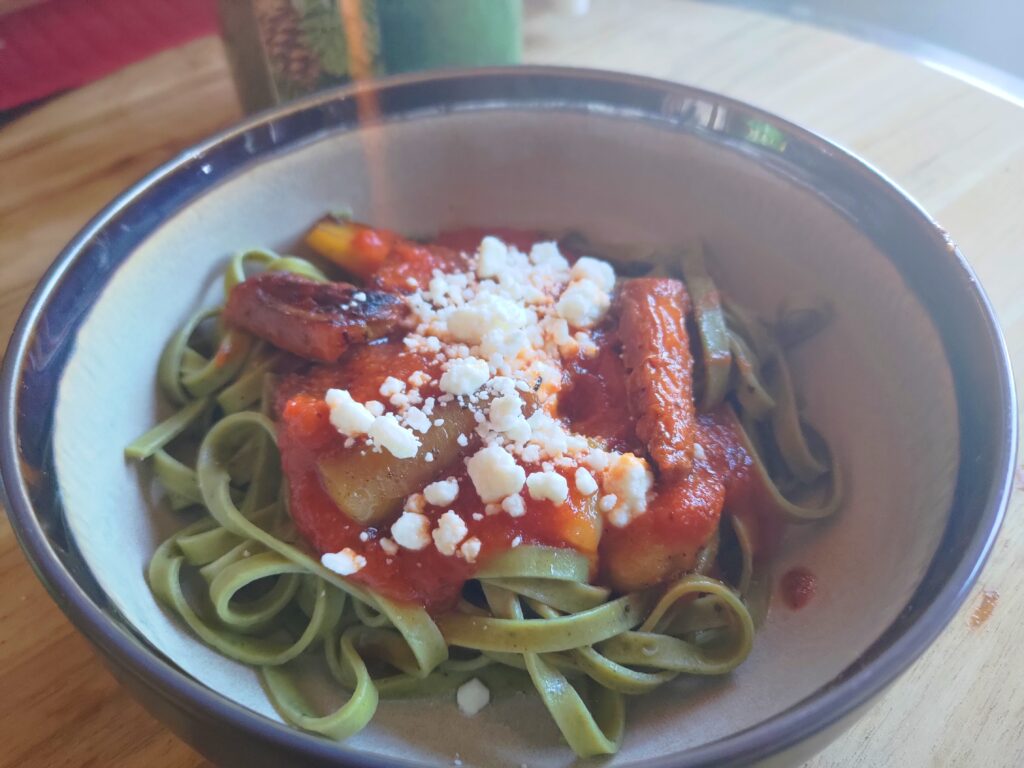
x=876 y=383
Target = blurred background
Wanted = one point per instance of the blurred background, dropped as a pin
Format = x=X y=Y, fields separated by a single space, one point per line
x=280 y=49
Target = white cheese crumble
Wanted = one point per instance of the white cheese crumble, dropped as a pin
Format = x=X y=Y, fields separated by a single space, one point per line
x=495 y=473
x=585 y=482
x=347 y=416
x=547 y=254
x=344 y=563
x=583 y=304
x=629 y=480
x=415 y=503
x=418 y=378
x=391 y=386
x=470 y=549
x=451 y=529
x=417 y=419
x=492 y=257
x=442 y=493
x=547 y=486
x=411 y=530
x=599 y=272
x=484 y=313
x=389 y=546
x=465 y=376
x=400 y=442
x=472 y=697
x=514 y=505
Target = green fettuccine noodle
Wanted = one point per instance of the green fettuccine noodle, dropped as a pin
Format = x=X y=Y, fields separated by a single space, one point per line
x=242 y=581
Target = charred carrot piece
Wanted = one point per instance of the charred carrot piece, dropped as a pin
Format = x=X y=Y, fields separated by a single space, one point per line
x=659 y=369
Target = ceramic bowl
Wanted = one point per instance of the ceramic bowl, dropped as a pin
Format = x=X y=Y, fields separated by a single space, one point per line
x=910 y=382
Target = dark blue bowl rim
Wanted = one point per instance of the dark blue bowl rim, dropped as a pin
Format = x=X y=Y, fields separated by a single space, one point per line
x=867 y=676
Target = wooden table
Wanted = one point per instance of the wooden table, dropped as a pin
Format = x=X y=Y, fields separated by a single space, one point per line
x=957 y=149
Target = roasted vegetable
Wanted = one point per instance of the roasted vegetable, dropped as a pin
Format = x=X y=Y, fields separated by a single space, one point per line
x=371 y=488
x=354 y=247
x=316 y=321
x=382 y=258
x=666 y=540
x=659 y=369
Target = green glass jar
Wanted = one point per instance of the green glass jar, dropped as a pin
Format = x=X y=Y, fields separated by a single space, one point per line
x=281 y=49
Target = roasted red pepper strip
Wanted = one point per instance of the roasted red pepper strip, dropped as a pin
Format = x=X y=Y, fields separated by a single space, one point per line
x=316 y=321
x=659 y=369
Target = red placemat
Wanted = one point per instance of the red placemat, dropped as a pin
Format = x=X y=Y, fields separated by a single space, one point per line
x=61 y=44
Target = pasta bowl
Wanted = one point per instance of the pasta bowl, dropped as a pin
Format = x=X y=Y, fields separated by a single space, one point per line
x=910 y=382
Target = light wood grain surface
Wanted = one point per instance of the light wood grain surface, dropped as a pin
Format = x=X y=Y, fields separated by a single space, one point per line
x=957 y=149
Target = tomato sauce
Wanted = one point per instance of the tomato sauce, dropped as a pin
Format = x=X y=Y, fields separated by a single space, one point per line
x=798 y=587
x=593 y=398
x=426 y=576
x=682 y=514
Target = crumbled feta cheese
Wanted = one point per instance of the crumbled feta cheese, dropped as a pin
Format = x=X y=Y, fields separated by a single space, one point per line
x=698 y=452
x=629 y=479
x=415 y=503
x=347 y=416
x=418 y=378
x=472 y=697
x=375 y=407
x=585 y=482
x=596 y=271
x=451 y=529
x=607 y=503
x=487 y=312
x=442 y=493
x=391 y=386
x=388 y=546
x=504 y=344
x=492 y=257
x=428 y=457
x=470 y=549
x=344 y=563
x=462 y=440
x=548 y=255
x=465 y=376
x=417 y=419
x=549 y=486
x=514 y=505
x=517 y=541
x=583 y=304
x=506 y=414
x=387 y=433
x=411 y=530
x=548 y=434
x=597 y=460
x=492 y=509
x=494 y=473
x=358 y=296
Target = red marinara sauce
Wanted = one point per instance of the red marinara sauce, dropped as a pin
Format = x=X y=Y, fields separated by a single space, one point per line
x=425 y=576
x=594 y=401
x=799 y=586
